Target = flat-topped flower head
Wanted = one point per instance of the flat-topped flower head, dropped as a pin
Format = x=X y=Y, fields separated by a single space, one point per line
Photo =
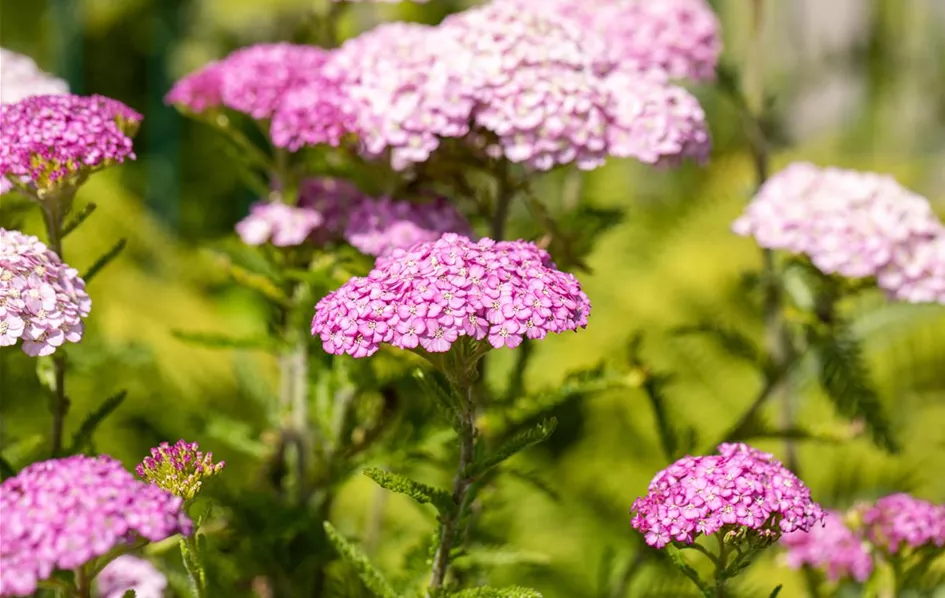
x=128 y=572
x=435 y=293
x=679 y=37
x=62 y=513
x=48 y=140
x=180 y=469
x=42 y=300
x=278 y=223
x=405 y=90
x=900 y=522
x=849 y=223
x=742 y=493
x=22 y=78
x=535 y=88
x=832 y=548
x=379 y=226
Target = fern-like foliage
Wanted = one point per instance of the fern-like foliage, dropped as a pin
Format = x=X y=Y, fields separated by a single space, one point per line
x=371 y=577
x=845 y=377
x=422 y=493
x=487 y=592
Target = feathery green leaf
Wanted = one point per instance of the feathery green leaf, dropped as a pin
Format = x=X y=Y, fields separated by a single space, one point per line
x=104 y=260
x=80 y=217
x=487 y=592
x=517 y=443
x=371 y=577
x=845 y=377
x=422 y=493
x=83 y=436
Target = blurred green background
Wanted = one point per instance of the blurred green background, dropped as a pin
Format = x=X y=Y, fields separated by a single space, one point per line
x=856 y=83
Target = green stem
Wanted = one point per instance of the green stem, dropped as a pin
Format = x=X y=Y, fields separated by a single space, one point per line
x=293 y=395
x=54 y=212
x=83 y=583
x=449 y=529
x=198 y=581
x=720 y=567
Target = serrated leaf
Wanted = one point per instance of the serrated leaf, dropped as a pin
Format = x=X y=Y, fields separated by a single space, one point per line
x=846 y=380
x=434 y=386
x=775 y=592
x=83 y=436
x=371 y=577
x=487 y=592
x=105 y=259
x=689 y=572
x=213 y=340
x=519 y=442
x=79 y=218
x=422 y=493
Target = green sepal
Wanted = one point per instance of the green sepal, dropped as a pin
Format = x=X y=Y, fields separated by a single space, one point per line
x=372 y=578
x=422 y=493
x=517 y=443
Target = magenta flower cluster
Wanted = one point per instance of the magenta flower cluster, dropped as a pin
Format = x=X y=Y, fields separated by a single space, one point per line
x=42 y=300
x=281 y=82
x=742 y=488
x=62 y=513
x=49 y=138
x=22 y=78
x=181 y=468
x=331 y=210
x=128 y=572
x=832 y=548
x=898 y=522
x=681 y=38
x=432 y=294
x=854 y=224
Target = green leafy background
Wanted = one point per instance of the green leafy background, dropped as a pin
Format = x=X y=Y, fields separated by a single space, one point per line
x=561 y=523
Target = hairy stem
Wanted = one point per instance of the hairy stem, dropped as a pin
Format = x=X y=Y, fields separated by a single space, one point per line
x=720 y=565
x=195 y=572
x=54 y=213
x=461 y=485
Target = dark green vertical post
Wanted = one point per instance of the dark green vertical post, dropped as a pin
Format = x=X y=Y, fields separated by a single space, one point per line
x=163 y=140
x=67 y=41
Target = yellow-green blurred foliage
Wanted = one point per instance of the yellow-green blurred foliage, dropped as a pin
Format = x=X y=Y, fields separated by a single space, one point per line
x=861 y=86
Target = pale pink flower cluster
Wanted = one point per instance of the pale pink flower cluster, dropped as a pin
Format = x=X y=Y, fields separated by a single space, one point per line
x=832 y=547
x=42 y=300
x=281 y=82
x=62 y=513
x=681 y=38
x=432 y=294
x=513 y=81
x=742 y=488
x=333 y=210
x=853 y=224
x=128 y=572
x=22 y=78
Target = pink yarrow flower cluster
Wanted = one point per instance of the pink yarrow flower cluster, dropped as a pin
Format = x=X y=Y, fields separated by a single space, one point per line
x=434 y=293
x=832 y=547
x=379 y=226
x=853 y=224
x=283 y=83
x=180 y=468
x=278 y=223
x=900 y=522
x=22 y=78
x=62 y=513
x=42 y=300
x=740 y=490
x=47 y=139
x=681 y=38
x=130 y=573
